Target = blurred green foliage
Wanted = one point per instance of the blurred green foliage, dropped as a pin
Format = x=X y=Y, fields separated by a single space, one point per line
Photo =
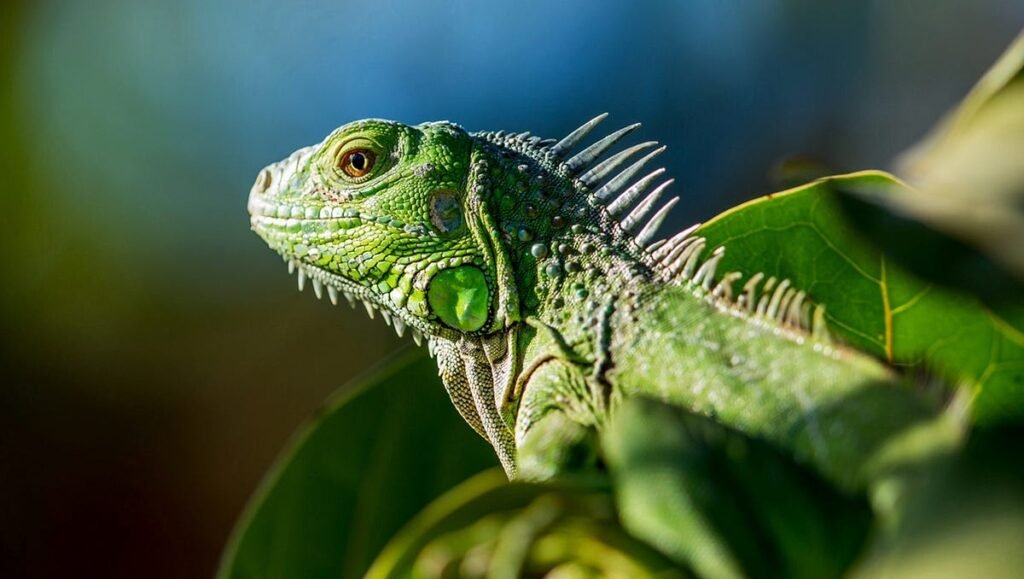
x=374 y=457
x=487 y=527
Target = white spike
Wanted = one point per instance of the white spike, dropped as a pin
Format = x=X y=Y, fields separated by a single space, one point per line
x=386 y=315
x=351 y=300
x=773 y=304
x=749 y=297
x=417 y=337
x=690 y=265
x=762 y=302
x=639 y=213
x=654 y=247
x=604 y=168
x=783 y=309
x=677 y=264
x=819 y=329
x=399 y=326
x=318 y=288
x=634 y=191
x=431 y=349
x=663 y=252
x=332 y=294
x=619 y=181
x=706 y=272
x=793 y=313
x=369 y=309
x=723 y=289
x=674 y=260
x=291 y=266
x=562 y=147
x=584 y=158
x=651 y=229
x=302 y=279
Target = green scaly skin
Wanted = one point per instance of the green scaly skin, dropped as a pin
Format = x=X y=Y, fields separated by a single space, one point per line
x=528 y=268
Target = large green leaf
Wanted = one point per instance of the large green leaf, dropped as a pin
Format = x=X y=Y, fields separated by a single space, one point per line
x=378 y=453
x=800 y=234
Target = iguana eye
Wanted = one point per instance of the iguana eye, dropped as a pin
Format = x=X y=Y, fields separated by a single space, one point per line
x=357 y=162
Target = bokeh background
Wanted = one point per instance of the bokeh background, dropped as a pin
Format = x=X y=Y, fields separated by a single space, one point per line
x=155 y=356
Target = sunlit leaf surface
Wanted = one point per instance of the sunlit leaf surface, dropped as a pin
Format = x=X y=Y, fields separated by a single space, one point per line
x=871 y=304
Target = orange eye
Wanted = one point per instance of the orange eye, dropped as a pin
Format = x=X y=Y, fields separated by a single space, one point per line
x=357 y=162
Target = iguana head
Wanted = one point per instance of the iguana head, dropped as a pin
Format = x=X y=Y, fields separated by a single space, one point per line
x=462 y=236
x=375 y=213
x=447 y=232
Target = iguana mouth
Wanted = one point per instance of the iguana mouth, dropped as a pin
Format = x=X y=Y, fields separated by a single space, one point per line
x=337 y=286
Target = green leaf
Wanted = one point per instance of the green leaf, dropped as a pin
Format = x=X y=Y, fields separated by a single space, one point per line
x=881 y=214
x=800 y=234
x=488 y=527
x=378 y=453
x=724 y=503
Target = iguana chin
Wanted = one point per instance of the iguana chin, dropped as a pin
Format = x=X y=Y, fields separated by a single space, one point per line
x=529 y=266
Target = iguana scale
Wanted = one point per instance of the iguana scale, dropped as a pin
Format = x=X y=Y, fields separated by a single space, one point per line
x=530 y=268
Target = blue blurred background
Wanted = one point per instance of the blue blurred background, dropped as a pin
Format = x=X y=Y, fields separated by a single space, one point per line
x=155 y=354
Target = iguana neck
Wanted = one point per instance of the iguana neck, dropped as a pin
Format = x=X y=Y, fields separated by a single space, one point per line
x=564 y=254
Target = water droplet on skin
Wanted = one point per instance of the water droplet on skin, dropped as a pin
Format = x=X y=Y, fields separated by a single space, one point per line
x=553 y=270
x=539 y=250
x=524 y=235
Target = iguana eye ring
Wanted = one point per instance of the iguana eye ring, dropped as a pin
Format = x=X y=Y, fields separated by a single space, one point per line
x=357 y=163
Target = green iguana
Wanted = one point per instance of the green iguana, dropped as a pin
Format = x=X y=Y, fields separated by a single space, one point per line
x=530 y=268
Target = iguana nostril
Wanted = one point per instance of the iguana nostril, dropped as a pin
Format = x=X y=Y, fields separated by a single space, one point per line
x=263 y=181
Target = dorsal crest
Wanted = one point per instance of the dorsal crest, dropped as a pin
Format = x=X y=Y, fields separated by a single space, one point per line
x=681 y=259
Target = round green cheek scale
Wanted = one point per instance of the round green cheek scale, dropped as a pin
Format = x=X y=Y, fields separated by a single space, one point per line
x=459 y=297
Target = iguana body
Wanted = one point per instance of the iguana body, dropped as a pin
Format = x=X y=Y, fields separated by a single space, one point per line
x=529 y=267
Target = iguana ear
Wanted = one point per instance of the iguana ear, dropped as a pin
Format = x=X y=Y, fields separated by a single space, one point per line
x=485 y=231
